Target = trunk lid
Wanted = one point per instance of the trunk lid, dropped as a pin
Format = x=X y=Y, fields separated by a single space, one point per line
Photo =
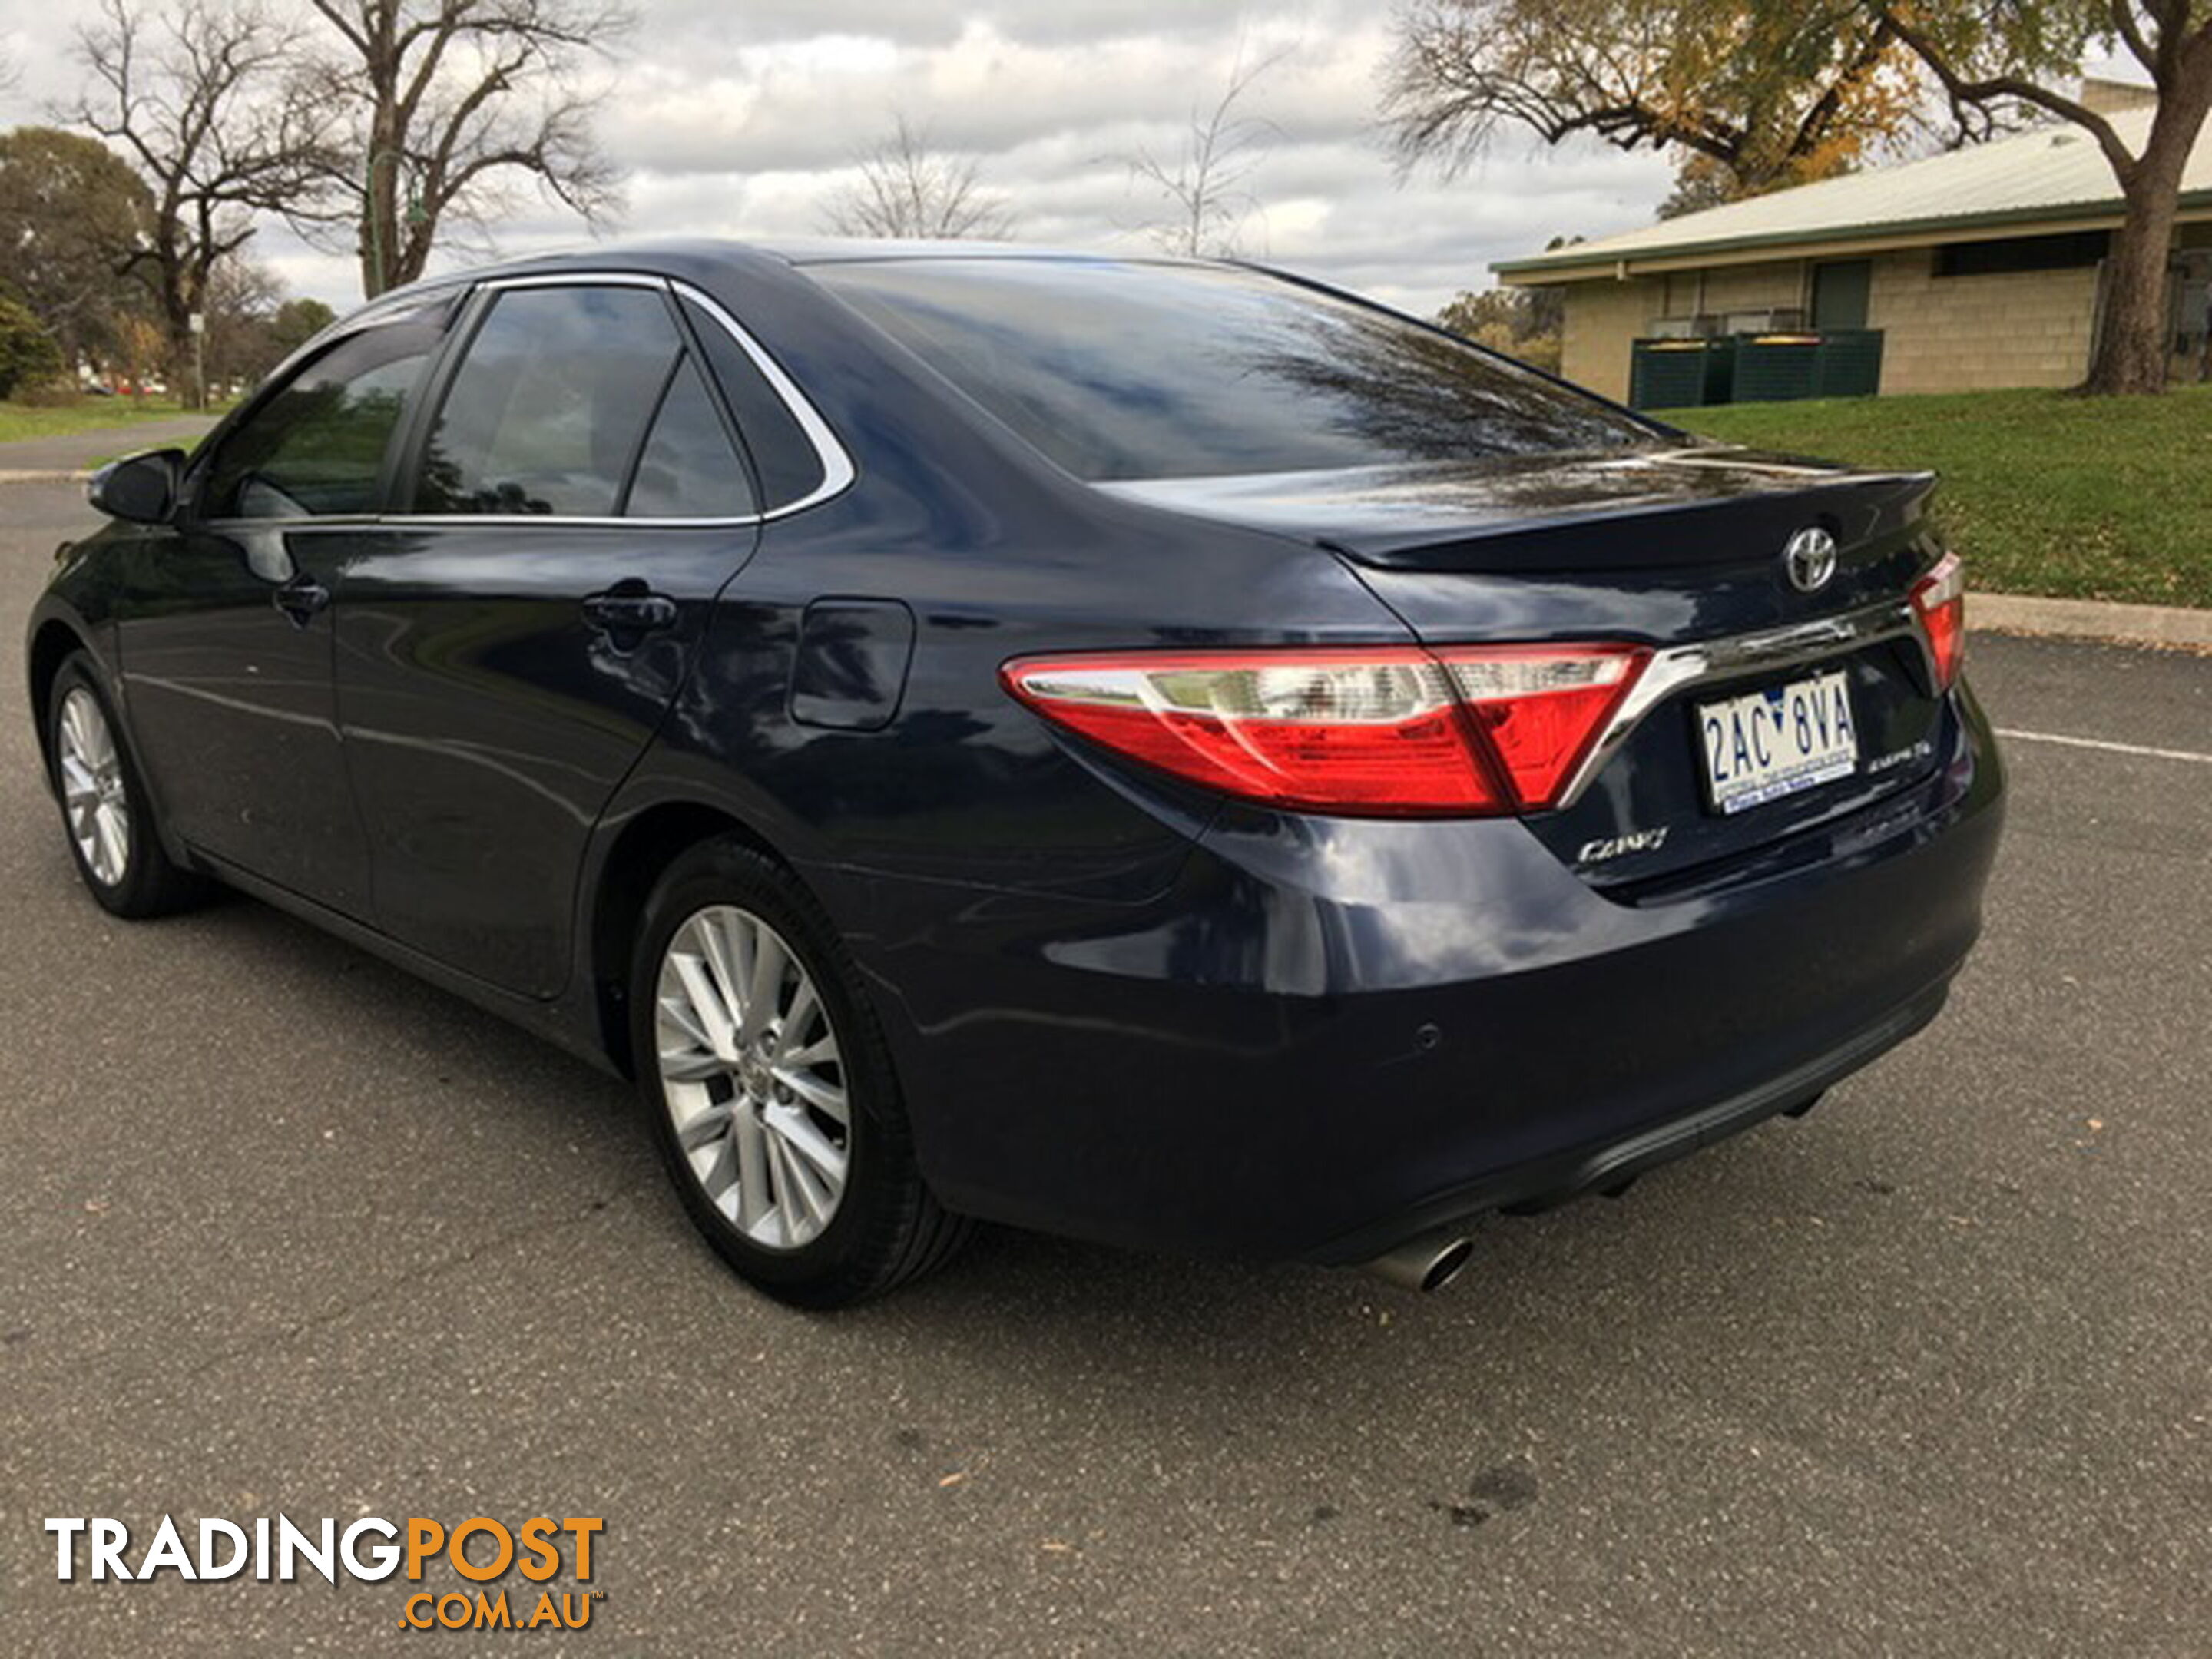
x=1677 y=548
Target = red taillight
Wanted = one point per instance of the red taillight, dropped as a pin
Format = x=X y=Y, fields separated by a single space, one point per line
x=1385 y=729
x=1940 y=599
x=1540 y=708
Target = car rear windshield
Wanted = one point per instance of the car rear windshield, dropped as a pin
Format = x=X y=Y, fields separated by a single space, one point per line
x=1121 y=369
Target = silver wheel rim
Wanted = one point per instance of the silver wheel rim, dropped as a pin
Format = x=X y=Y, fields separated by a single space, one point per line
x=93 y=797
x=751 y=1077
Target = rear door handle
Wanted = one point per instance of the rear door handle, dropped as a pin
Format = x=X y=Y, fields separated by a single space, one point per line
x=630 y=607
x=301 y=597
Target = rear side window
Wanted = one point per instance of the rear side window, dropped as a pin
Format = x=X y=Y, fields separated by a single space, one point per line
x=316 y=448
x=550 y=409
x=1129 y=370
x=790 y=467
x=689 y=468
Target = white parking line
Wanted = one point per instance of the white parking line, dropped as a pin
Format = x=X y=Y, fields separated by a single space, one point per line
x=2014 y=735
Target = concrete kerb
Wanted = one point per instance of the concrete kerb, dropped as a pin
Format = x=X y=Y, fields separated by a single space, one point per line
x=2171 y=627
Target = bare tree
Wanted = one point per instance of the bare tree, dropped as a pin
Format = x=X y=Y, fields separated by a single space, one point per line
x=447 y=105
x=906 y=188
x=1206 y=197
x=193 y=97
x=242 y=297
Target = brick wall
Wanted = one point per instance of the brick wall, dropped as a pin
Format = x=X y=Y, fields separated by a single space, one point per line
x=1602 y=318
x=1978 y=333
x=1948 y=334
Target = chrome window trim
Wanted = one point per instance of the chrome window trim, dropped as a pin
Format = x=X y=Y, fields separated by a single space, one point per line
x=1681 y=667
x=573 y=279
x=294 y=526
x=838 y=470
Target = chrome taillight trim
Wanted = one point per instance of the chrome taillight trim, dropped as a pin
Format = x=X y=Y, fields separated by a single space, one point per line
x=1677 y=668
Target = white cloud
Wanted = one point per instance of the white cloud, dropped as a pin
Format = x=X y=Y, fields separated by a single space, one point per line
x=741 y=120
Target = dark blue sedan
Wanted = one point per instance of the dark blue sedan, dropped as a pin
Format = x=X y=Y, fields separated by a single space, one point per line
x=1160 y=752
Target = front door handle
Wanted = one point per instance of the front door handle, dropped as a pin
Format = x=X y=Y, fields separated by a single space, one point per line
x=630 y=607
x=301 y=597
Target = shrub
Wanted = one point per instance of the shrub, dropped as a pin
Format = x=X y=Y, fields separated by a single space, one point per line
x=26 y=353
x=49 y=391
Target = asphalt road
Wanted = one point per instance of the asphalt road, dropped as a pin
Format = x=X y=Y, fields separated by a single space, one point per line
x=1928 y=1373
x=71 y=451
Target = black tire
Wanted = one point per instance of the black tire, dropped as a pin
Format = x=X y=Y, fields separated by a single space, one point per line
x=887 y=1227
x=149 y=883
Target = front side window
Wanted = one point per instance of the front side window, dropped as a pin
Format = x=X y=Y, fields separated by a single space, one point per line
x=317 y=448
x=563 y=396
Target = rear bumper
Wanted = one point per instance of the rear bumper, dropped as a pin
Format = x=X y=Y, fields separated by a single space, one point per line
x=1335 y=1035
x=1544 y=1183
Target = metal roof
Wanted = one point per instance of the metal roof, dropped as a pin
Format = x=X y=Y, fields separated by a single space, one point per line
x=2050 y=173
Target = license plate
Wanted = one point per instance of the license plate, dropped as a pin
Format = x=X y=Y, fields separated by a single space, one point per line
x=1770 y=744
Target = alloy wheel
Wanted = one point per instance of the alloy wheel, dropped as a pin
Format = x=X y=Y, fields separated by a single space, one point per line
x=94 y=795
x=751 y=1077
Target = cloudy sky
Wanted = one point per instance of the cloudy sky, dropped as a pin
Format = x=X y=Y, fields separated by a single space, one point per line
x=741 y=117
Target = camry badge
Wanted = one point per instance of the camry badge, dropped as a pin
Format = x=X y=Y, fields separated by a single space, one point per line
x=1810 y=559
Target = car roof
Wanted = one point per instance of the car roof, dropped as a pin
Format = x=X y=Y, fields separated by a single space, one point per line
x=831 y=250
x=679 y=256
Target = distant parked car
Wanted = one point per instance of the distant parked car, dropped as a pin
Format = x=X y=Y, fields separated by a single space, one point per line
x=1150 y=750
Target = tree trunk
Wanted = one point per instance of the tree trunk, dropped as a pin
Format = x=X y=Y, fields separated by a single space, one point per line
x=379 y=222
x=184 y=365
x=415 y=251
x=380 y=229
x=2132 y=344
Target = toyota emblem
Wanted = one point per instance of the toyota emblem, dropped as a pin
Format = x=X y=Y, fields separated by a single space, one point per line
x=1810 y=559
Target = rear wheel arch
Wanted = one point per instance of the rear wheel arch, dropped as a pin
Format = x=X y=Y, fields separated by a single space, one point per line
x=642 y=851
x=753 y=1031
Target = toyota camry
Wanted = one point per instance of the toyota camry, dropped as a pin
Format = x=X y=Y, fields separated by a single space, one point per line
x=1161 y=752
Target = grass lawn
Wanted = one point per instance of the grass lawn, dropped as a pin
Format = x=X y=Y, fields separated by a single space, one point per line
x=85 y=415
x=2093 y=498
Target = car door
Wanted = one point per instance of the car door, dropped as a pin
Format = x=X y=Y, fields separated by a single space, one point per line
x=575 y=500
x=226 y=630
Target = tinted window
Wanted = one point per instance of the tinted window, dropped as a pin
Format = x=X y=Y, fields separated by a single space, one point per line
x=790 y=469
x=2068 y=251
x=550 y=403
x=316 y=446
x=689 y=469
x=1152 y=371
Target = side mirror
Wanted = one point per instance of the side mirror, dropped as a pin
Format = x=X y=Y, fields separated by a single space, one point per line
x=140 y=488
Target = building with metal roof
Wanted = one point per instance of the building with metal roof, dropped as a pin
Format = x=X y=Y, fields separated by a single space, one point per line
x=1975 y=269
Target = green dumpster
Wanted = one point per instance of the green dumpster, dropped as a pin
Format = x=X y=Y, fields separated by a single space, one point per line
x=1775 y=367
x=1834 y=362
x=1679 y=374
x=1849 y=364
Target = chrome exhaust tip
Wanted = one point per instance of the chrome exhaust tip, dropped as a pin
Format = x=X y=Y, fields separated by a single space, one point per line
x=1427 y=1263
